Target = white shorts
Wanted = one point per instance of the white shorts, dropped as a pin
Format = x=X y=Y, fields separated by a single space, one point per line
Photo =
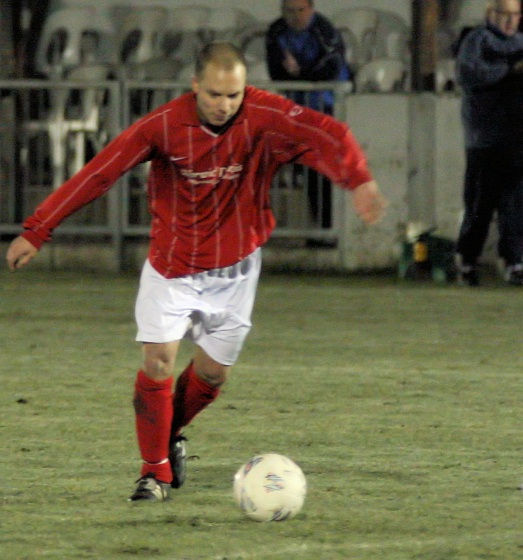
x=212 y=308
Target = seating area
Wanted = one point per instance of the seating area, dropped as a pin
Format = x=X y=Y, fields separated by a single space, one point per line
x=72 y=120
x=149 y=51
x=377 y=43
x=135 y=42
x=145 y=56
x=152 y=43
x=124 y=38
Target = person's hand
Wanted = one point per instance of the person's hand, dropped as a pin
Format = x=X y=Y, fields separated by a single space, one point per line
x=517 y=68
x=20 y=252
x=369 y=203
x=291 y=64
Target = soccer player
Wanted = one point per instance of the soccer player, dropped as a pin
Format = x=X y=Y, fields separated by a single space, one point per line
x=213 y=153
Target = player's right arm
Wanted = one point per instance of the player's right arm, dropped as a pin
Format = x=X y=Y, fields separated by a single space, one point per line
x=20 y=252
x=129 y=148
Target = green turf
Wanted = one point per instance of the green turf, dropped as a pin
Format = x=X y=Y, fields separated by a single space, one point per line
x=400 y=401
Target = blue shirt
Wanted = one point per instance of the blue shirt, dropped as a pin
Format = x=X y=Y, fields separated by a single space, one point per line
x=306 y=48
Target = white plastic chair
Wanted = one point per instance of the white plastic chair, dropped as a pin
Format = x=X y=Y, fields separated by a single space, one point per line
x=226 y=23
x=74 y=36
x=352 y=53
x=392 y=36
x=186 y=74
x=191 y=17
x=67 y=121
x=446 y=79
x=187 y=31
x=381 y=76
x=362 y=23
x=371 y=33
x=140 y=32
x=258 y=73
x=157 y=70
x=252 y=43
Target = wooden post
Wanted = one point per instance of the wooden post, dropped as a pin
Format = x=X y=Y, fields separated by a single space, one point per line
x=425 y=21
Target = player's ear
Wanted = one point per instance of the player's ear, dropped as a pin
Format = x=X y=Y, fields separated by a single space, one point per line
x=194 y=83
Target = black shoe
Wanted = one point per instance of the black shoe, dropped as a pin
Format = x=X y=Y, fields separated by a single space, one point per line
x=468 y=275
x=151 y=489
x=178 y=460
x=514 y=274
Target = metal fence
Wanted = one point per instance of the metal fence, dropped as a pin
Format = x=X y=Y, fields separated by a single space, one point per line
x=50 y=129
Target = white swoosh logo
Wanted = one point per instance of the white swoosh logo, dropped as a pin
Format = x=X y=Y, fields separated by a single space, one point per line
x=178 y=158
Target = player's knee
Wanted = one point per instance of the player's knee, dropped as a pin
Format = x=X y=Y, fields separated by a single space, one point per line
x=215 y=377
x=158 y=367
x=158 y=360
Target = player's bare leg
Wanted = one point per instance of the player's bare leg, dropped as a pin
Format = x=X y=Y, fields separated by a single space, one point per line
x=196 y=388
x=154 y=413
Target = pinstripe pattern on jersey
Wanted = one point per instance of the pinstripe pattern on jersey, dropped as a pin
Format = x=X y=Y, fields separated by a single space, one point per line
x=209 y=193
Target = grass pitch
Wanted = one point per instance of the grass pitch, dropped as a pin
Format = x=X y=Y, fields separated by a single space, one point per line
x=401 y=402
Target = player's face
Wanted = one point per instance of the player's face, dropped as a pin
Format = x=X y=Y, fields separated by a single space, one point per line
x=506 y=16
x=219 y=93
x=297 y=13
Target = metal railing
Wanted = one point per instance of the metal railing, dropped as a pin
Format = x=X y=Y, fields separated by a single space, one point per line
x=50 y=129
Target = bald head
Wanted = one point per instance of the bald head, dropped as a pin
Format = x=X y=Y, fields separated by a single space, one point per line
x=225 y=56
x=219 y=83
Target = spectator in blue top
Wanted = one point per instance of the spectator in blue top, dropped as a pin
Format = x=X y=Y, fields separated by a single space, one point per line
x=490 y=71
x=303 y=45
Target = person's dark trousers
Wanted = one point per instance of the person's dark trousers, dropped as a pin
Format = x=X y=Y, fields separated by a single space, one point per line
x=493 y=183
x=320 y=191
x=319 y=188
x=319 y=194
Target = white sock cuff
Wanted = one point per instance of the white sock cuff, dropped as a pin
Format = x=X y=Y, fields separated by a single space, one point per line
x=162 y=462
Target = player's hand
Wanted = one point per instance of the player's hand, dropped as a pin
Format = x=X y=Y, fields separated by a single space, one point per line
x=20 y=252
x=369 y=203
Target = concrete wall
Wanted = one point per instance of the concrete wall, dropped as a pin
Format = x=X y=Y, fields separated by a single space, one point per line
x=381 y=124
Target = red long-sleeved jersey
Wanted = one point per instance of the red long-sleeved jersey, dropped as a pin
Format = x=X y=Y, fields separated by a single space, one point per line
x=209 y=192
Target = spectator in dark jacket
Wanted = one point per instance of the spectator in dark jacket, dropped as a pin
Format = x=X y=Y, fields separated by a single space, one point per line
x=303 y=45
x=490 y=71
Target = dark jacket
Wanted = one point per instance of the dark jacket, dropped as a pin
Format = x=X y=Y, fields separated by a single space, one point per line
x=328 y=64
x=492 y=105
x=323 y=60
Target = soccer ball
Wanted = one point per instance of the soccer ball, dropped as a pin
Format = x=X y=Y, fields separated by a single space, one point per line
x=270 y=487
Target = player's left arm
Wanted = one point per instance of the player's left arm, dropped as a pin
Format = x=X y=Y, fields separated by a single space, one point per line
x=330 y=147
x=370 y=205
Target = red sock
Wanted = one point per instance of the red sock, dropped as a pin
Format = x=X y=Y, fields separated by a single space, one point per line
x=191 y=396
x=153 y=408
